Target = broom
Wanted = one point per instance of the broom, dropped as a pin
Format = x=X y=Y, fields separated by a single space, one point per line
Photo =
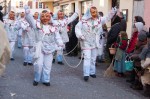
x=109 y=71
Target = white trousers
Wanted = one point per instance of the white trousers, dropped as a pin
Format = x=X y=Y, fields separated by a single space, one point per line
x=12 y=47
x=28 y=55
x=59 y=55
x=89 y=61
x=43 y=68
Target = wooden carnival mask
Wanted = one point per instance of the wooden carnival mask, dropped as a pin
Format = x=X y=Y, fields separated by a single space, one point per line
x=36 y=14
x=12 y=15
x=94 y=12
x=45 y=17
x=60 y=15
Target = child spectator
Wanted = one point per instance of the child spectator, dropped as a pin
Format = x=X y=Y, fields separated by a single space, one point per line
x=119 y=65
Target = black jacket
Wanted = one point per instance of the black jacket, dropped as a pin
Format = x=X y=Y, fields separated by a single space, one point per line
x=1 y=16
x=115 y=30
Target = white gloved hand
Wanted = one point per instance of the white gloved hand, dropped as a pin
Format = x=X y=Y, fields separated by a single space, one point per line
x=115 y=9
x=82 y=37
x=27 y=9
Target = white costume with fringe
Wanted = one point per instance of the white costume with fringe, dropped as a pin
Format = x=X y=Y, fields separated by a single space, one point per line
x=4 y=49
x=27 y=39
x=50 y=40
x=62 y=25
x=10 y=27
x=89 y=31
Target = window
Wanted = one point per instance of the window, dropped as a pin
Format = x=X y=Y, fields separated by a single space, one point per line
x=65 y=9
x=21 y=4
x=85 y=5
x=40 y=5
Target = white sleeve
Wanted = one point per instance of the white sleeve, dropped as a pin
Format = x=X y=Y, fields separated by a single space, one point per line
x=78 y=30
x=72 y=18
x=108 y=17
x=30 y=18
x=58 y=38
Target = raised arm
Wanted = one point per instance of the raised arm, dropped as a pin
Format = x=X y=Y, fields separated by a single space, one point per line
x=29 y=17
x=73 y=17
x=108 y=17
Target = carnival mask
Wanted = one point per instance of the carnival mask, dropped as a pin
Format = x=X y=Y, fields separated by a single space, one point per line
x=94 y=12
x=36 y=14
x=45 y=18
x=11 y=15
x=60 y=15
x=22 y=15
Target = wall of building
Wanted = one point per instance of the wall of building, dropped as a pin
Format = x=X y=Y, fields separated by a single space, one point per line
x=15 y=3
x=49 y=5
x=128 y=4
x=103 y=6
x=147 y=13
x=138 y=8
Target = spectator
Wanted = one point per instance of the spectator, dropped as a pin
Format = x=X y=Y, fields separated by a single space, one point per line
x=119 y=65
x=138 y=26
x=113 y=34
x=145 y=63
x=1 y=14
x=134 y=78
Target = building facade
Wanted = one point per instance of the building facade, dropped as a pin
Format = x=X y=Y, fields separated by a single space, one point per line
x=130 y=8
x=147 y=13
x=35 y=5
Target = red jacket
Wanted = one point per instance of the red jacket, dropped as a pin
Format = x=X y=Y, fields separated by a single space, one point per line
x=132 y=42
x=124 y=44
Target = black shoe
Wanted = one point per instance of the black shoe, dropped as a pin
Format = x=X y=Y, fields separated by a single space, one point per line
x=19 y=47
x=80 y=58
x=12 y=59
x=25 y=64
x=136 y=87
x=47 y=84
x=86 y=78
x=53 y=60
x=30 y=64
x=130 y=81
x=93 y=76
x=35 y=83
x=146 y=91
x=61 y=63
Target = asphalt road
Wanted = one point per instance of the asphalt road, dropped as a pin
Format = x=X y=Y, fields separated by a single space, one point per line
x=66 y=83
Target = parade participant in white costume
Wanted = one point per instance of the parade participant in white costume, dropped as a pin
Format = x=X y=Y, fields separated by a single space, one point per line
x=36 y=16
x=62 y=24
x=49 y=35
x=21 y=17
x=10 y=27
x=27 y=39
x=88 y=31
x=4 y=49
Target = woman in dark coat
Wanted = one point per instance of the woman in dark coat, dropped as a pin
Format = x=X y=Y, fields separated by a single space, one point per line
x=113 y=34
x=73 y=41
